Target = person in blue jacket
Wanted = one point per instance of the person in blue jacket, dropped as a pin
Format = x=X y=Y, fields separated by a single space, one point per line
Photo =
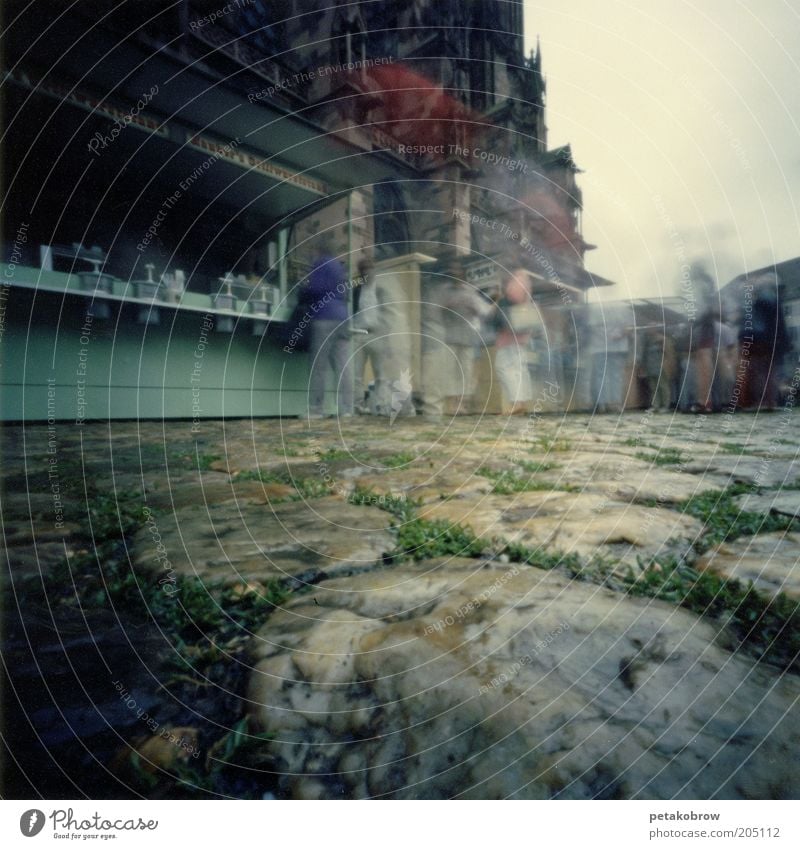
x=326 y=294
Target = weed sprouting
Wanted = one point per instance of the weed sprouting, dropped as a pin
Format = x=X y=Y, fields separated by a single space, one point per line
x=395 y=461
x=507 y=483
x=724 y=520
x=304 y=487
x=768 y=626
x=422 y=539
x=663 y=457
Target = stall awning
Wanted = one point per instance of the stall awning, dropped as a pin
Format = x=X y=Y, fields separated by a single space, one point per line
x=280 y=159
x=547 y=274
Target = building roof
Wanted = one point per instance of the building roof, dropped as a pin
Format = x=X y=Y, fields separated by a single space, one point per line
x=788 y=273
x=559 y=156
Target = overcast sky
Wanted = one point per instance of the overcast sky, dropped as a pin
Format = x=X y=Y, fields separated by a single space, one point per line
x=686 y=117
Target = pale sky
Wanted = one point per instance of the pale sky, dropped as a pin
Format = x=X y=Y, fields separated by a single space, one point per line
x=685 y=115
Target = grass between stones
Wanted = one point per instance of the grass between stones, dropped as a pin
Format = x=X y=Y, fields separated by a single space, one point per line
x=535 y=467
x=723 y=520
x=663 y=457
x=395 y=461
x=201 y=462
x=314 y=487
x=206 y=628
x=768 y=628
x=398 y=505
x=359 y=453
x=547 y=442
x=507 y=483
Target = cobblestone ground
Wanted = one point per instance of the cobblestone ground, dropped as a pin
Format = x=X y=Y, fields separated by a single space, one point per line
x=530 y=607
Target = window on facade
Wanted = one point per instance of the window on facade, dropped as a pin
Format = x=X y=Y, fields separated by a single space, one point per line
x=352 y=45
x=491 y=96
x=477 y=68
x=391 y=224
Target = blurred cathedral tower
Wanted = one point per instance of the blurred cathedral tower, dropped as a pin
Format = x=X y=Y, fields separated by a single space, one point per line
x=445 y=86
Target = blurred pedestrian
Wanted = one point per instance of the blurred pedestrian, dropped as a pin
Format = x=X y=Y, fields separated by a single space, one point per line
x=702 y=337
x=514 y=320
x=683 y=392
x=725 y=353
x=657 y=370
x=365 y=320
x=433 y=348
x=580 y=341
x=770 y=343
x=463 y=310
x=326 y=293
x=392 y=348
x=612 y=329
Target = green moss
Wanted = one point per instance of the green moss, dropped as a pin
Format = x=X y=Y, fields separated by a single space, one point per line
x=357 y=454
x=112 y=516
x=331 y=455
x=192 y=460
x=204 y=461
x=547 y=443
x=731 y=447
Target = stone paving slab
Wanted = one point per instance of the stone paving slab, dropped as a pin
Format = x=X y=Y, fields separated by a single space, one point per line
x=448 y=679
x=786 y=502
x=565 y=523
x=770 y=561
x=456 y=676
x=761 y=471
x=242 y=541
x=202 y=479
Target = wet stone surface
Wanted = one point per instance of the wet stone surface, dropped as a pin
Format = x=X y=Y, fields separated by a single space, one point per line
x=770 y=561
x=448 y=680
x=249 y=538
x=462 y=611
